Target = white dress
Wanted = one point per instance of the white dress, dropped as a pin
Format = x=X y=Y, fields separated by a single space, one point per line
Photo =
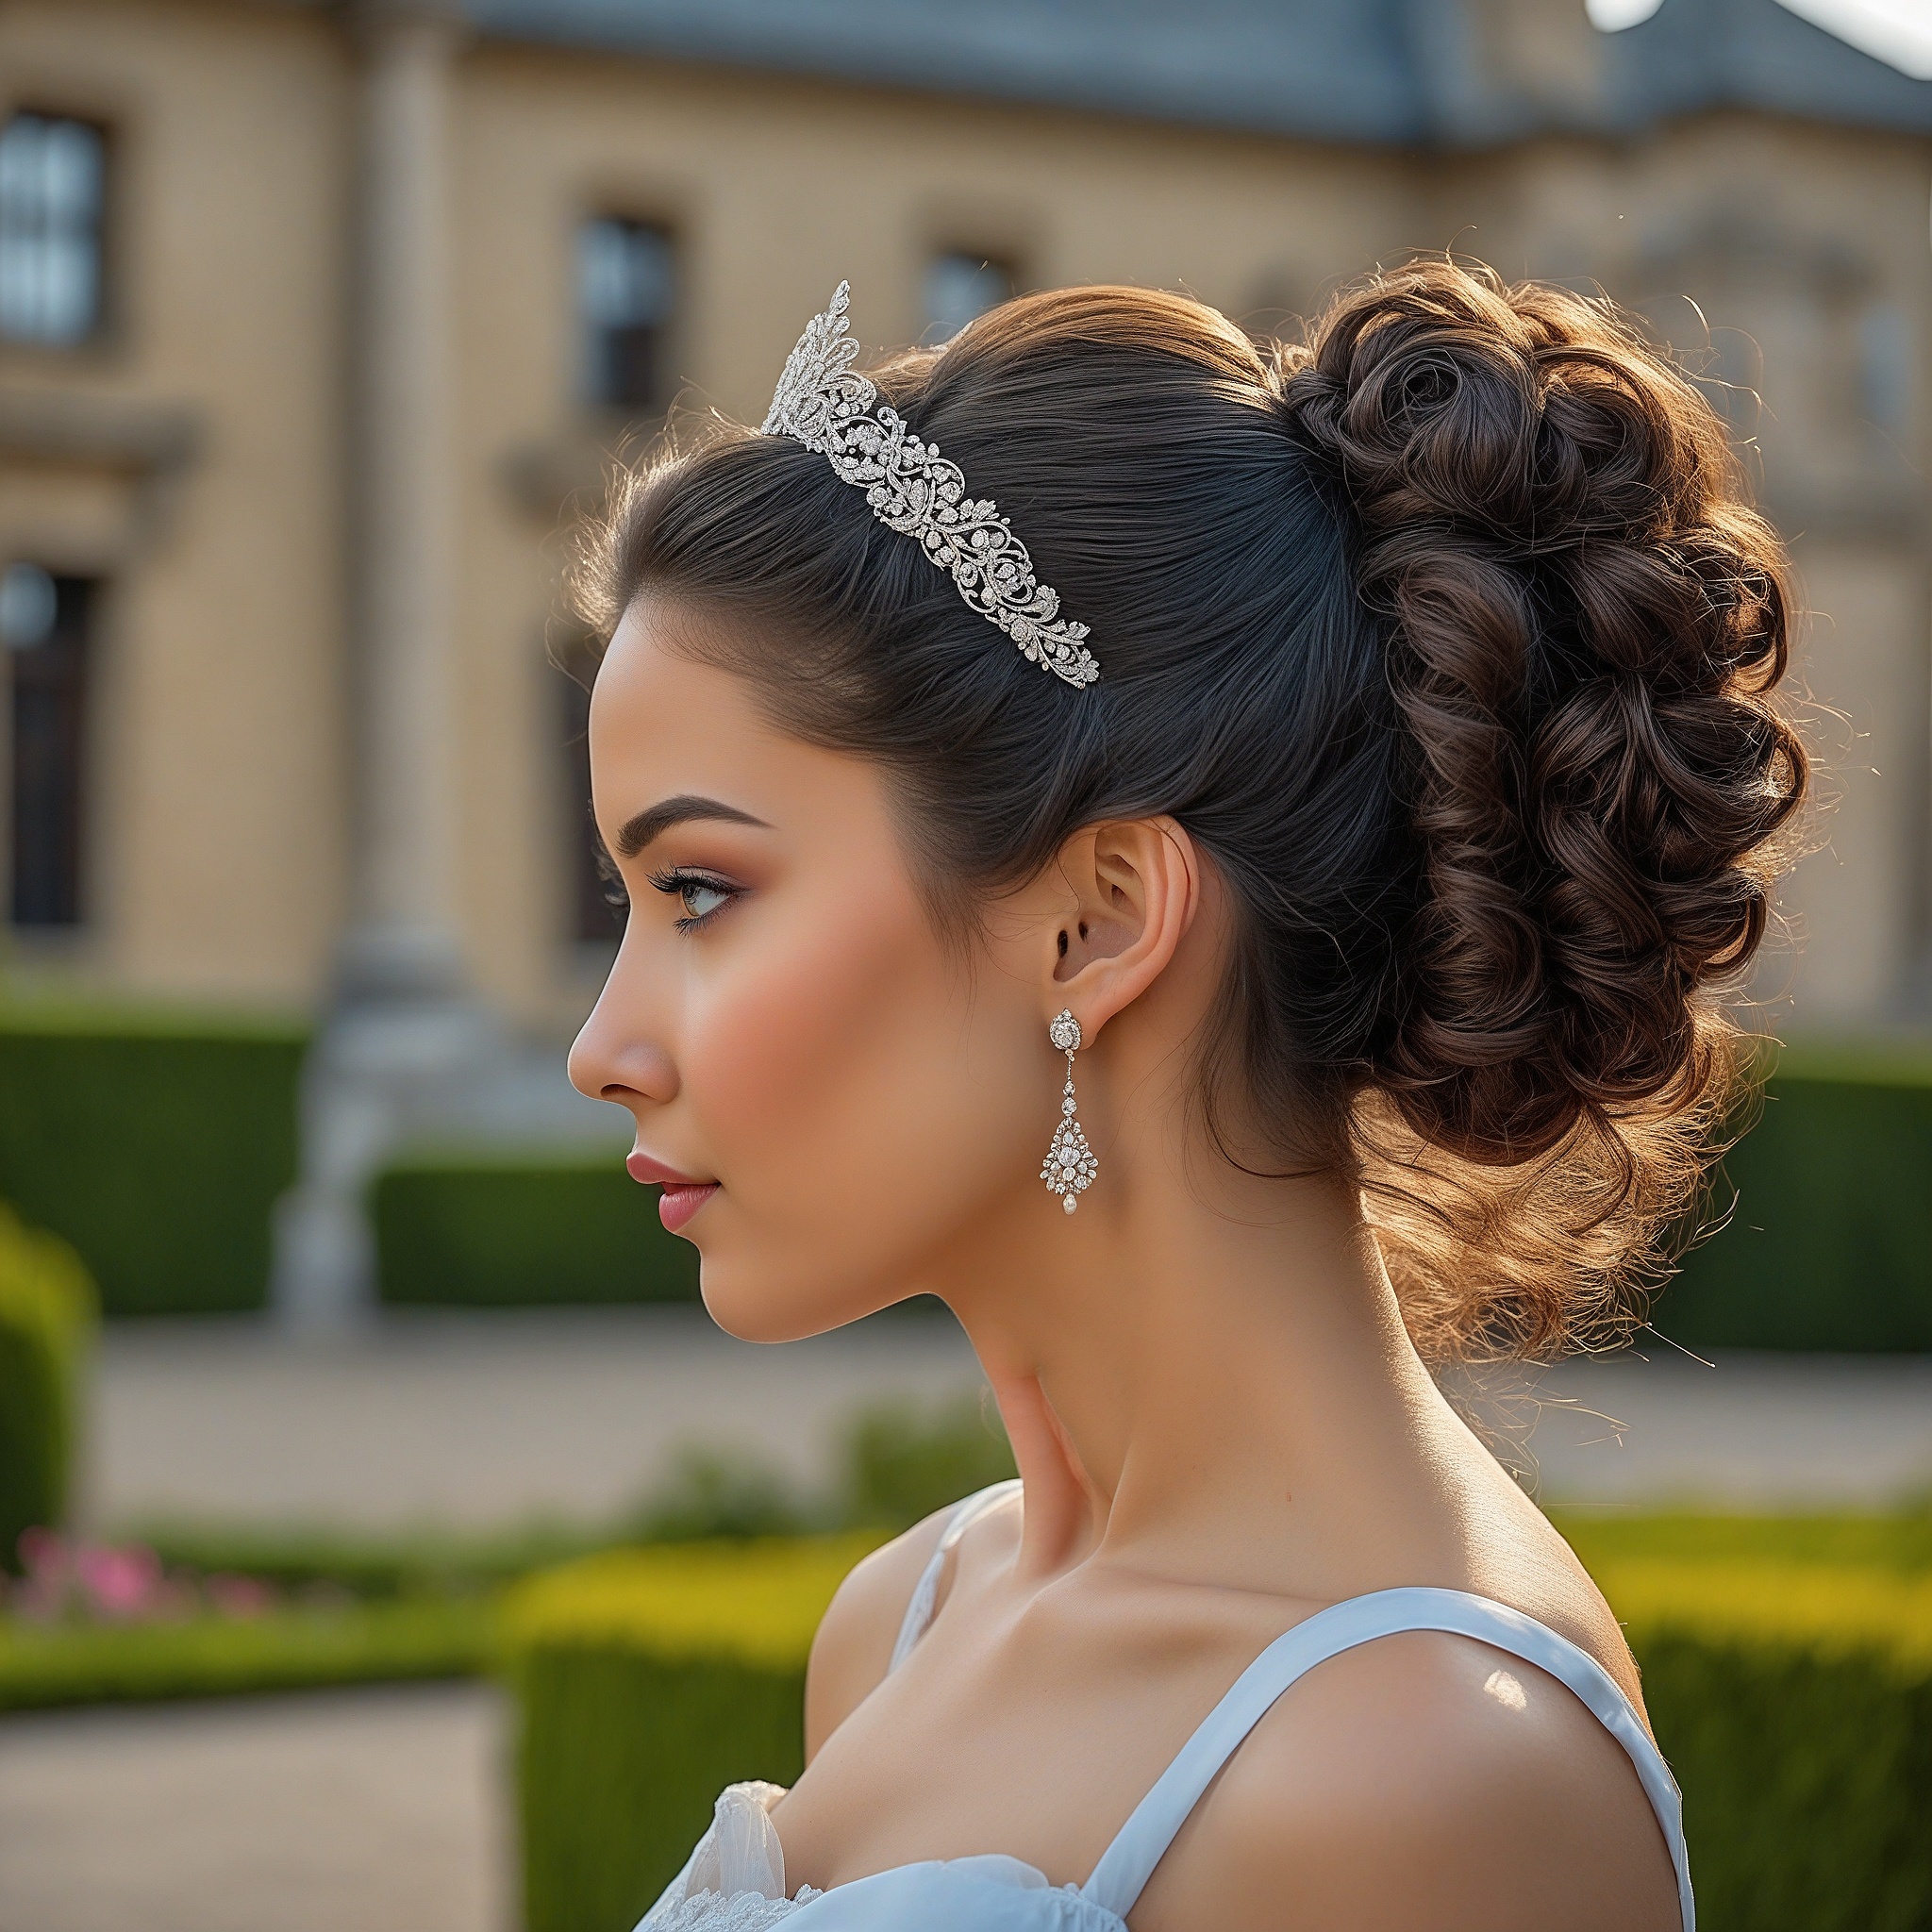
x=735 y=1879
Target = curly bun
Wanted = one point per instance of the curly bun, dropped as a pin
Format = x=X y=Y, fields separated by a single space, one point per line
x=1584 y=625
x=1447 y=635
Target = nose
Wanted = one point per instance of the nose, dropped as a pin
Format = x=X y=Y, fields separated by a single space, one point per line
x=612 y=1059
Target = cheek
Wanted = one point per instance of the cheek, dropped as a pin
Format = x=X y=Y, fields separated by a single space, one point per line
x=835 y=1064
x=775 y=1045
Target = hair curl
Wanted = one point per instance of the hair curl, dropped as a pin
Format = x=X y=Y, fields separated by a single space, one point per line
x=1447 y=634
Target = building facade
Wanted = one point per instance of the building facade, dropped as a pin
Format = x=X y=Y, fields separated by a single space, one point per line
x=317 y=322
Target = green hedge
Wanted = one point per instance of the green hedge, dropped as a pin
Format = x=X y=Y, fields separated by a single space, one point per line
x=647 y=1680
x=373 y=1565
x=155 y=1145
x=473 y=1231
x=46 y=1321
x=293 y=1649
x=1899 y=1542
x=1795 y=1706
x=1829 y=1245
x=1807 y=1798
x=1792 y=1697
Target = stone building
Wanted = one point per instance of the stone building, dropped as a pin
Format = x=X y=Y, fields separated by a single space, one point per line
x=315 y=320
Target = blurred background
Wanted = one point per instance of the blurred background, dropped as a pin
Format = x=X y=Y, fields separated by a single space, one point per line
x=336 y=1349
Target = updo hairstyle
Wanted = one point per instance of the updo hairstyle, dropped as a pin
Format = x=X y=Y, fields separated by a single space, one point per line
x=1448 y=636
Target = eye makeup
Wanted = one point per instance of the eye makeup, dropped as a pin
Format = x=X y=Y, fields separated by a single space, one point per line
x=704 y=894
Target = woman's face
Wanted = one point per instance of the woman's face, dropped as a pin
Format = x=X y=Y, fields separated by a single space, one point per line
x=852 y=1097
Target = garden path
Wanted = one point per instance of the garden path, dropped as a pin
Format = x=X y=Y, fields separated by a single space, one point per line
x=481 y=1420
x=476 y=1420
x=371 y=1811
x=1744 y=1431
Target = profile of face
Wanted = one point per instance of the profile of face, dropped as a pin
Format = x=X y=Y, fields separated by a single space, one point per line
x=866 y=1097
x=1342 y=863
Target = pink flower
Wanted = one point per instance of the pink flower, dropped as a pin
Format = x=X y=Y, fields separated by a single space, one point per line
x=118 y=1583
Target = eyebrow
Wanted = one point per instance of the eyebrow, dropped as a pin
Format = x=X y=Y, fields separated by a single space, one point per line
x=655 y=819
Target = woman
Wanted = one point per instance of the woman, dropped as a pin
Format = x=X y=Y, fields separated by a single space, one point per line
x=1324 y=886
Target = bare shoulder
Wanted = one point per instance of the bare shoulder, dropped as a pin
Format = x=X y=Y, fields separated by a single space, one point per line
x=1424 y=1779
x=854 y=1640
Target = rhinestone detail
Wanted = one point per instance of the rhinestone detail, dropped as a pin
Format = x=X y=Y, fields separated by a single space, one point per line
x=825 y=403
x=1071 y=1164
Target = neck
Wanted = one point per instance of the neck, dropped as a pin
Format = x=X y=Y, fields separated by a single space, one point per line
x=1221 y=1387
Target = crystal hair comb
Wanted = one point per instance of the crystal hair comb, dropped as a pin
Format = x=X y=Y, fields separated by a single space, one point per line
x=823 y=403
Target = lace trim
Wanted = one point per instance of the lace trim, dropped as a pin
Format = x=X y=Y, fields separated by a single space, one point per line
x=718 y=1911
x=734 y=1880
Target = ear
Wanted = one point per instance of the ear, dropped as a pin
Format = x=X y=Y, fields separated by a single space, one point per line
x=1135 y=887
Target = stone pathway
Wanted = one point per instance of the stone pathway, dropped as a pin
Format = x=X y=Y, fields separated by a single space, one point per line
x=475 y=1421
x=481 y=1420
x=374 y=1811
x=1741 y=1431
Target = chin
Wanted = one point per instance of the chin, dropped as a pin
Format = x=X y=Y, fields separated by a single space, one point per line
x=761 y=1304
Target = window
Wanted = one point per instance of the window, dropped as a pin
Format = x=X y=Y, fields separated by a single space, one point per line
x=51 y=193
x=960 y=287
x=43 y=624
x=626 y=300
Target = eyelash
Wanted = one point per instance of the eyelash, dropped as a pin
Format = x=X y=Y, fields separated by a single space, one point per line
x=679 y=880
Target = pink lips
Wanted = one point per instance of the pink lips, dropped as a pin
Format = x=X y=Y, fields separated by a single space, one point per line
x=680 y=1199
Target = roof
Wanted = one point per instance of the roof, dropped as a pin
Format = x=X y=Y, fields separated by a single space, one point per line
x=1387 y=71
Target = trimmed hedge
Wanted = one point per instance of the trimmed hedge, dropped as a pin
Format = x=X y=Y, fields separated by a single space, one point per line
x=370 y=1565
x=1829 y=1245
x=470 y=1230
x=1795 y=1707
x=647 y=1680
x=48 y=1312
x=296 y=1649
x=156 y=1145
x=1792 y=1697
x=1899 y=1542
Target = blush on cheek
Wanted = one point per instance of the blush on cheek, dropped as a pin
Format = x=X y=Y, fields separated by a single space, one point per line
x=785 y=1057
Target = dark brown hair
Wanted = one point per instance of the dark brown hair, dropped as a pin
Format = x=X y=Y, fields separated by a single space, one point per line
x=1447 y=636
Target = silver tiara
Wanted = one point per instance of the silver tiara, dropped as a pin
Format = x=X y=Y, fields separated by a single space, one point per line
x=823 y=404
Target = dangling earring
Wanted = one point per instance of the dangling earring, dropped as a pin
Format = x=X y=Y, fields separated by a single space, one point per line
x=1071 y=1164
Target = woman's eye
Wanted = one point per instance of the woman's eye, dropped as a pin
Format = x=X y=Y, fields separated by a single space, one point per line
x=701 y=898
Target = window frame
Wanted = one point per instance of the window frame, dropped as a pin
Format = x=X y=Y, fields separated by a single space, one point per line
x=92 y=590
x=105 y=333
x=671 y=333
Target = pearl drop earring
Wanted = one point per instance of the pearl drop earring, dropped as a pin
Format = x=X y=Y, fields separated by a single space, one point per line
x=1071 y=1164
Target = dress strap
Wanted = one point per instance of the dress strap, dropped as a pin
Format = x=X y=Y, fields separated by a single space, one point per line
x=1128 y=1864
x=925 y=1592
